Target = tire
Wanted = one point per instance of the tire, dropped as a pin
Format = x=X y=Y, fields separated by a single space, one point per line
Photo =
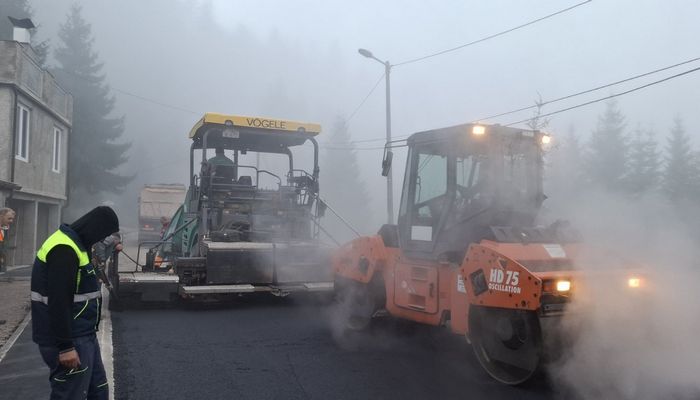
x=507 y=343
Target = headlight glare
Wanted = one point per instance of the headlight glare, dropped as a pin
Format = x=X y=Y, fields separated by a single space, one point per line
x=563 y=286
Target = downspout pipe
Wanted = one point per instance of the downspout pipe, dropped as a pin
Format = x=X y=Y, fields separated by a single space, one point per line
x=14 y=137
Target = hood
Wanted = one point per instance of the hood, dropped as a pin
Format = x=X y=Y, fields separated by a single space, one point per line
x=96 y=225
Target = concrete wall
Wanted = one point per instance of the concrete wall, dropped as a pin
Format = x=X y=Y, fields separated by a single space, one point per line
x=6 y=119
x=36 y=174
x=9 y=61
x=43 y=192
x=35 y=221
x=17 y=67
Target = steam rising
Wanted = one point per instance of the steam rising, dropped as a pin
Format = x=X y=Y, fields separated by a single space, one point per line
x=191 y=57
x=634 y=345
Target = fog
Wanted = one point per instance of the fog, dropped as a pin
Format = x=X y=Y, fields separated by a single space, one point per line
x=633 y=345
x=300 y=62
x=168 y=62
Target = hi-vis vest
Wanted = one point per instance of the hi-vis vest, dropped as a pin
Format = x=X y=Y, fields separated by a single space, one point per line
x=86 y=299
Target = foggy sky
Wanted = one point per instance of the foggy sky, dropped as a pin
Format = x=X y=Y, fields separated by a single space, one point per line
x=299 y=60
x=311 y=69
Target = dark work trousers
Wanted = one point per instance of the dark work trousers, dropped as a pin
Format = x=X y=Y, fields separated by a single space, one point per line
x=88 y=381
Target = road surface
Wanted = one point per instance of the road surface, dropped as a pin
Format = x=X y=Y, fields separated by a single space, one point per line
x=268 y=348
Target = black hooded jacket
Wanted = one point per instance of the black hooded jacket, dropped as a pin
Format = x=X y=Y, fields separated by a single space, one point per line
x=62 y=264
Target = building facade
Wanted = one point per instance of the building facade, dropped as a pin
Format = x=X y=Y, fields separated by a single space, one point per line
x=35 y=122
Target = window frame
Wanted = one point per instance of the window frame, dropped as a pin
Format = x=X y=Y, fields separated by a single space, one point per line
x=23 y=125
x=56 y=153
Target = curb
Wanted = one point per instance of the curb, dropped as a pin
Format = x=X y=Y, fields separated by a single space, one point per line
x=105 y=339
x=15 y=335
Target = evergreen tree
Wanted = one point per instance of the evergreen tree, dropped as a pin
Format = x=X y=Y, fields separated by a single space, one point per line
x=606 y=159
x=537 y=122
x=563 y=166
x=341 y=185
x=93 y=147
x=680 y=176
x=20 y=9
x=644 y=163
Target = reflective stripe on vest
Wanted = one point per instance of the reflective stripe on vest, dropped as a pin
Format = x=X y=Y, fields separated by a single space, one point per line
x=58 y=238
x=77 y=298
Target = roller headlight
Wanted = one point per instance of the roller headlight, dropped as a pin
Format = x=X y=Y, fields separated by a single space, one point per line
x=478 y=130
x=634 y=282
x=563 y=286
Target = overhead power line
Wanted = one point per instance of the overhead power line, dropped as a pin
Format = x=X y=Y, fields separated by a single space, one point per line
x=347 y=121
x=590 y=90
x=612 y=96
x=156 y=102
x=463 y=46
x=124 y=92
x=659 y=81
x=517 y=110
x=413 y=60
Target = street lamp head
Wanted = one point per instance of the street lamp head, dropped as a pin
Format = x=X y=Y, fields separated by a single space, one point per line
x=365 y=53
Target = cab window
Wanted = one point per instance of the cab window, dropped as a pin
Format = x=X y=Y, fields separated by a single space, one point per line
x=430 y=195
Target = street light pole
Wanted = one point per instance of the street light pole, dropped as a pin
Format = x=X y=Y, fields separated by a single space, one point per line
x=389 y=180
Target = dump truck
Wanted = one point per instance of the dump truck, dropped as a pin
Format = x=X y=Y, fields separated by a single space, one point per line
x=241 y=228
x=157 y=201
x=467 y=251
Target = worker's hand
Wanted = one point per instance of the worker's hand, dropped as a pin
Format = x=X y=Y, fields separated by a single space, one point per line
x=69 y=359
x=118 y=247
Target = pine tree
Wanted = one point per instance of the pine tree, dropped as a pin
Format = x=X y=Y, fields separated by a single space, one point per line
x=341 y=185
x=606 y=158
x=680 y=176
x=644 y=163
x=563 y=166
x=93 y=147
x=537 y=122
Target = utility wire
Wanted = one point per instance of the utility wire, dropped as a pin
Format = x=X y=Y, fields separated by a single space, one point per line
x=465 y=45
x=589 y=90
x=176 y=108
x=612 y=96
x=347 y=121
x=413 y=60
x=607 y=85
x=124 y=92
x=668 y=78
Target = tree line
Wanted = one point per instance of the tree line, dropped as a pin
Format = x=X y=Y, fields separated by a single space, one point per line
x=631 y=162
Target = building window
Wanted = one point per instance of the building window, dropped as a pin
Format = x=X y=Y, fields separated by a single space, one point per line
x=56 y=164
x=22 y=137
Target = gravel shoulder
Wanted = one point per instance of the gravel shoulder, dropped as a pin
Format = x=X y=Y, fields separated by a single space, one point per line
x=14 y=302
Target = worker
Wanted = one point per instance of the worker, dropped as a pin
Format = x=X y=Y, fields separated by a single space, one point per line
x=66 y=305
x=7 y=217
x=220 y=158
x=102 y=251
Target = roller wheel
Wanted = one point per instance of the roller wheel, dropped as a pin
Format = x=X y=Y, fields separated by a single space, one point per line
x=507 y=343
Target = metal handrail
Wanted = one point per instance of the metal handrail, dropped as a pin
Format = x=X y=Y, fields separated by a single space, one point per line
x=160 y=242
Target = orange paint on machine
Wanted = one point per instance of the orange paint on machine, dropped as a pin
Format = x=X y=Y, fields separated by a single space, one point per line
x=466 y=252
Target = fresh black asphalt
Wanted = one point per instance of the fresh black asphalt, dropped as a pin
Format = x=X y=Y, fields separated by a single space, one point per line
x=269 y=348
